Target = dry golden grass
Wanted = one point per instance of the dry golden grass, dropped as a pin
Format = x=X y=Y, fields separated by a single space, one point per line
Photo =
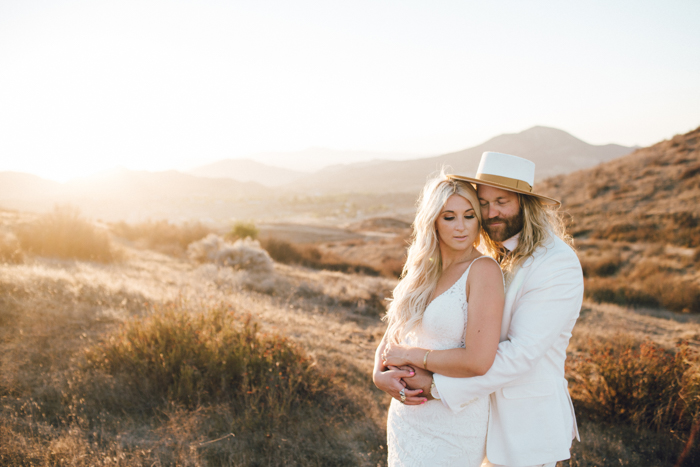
x=605 y=441
x=60 y=407
x=57 y=408
x=10 y=249
x=161 y=236
x=63 y=233
x=641 y=275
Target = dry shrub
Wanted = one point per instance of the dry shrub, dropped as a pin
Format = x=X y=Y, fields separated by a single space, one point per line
x=10 y=249
x=65 y=234
x=690 y=172
x=286 y=253
x=209 y=356
x=244 y=254
x=161 y=235
x=678 y=228
x=617 y=291
x=674 y=293
x=392 y=267
x=627 y=382
x=603 y=266
x=311 y=257
x=655 y=290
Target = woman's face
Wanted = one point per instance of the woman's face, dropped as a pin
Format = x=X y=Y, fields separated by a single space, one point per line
x=457 y=225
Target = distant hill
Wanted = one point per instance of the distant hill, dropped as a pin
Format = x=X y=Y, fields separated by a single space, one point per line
x=554 y=151
x=246 y=170
x=315 y=159
x=123 y=183
x=18 y=185
x=651 y=195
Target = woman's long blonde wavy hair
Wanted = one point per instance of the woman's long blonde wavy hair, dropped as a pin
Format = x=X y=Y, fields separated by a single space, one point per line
x=540 y=223
x=424 y=263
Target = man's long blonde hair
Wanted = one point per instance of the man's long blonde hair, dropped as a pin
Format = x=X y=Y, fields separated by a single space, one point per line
x=424 y=263
x=540 y=223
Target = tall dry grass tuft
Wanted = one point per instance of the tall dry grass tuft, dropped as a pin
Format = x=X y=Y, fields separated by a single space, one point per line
x=10 y=249
x=57 y=408
x=625 y=381
x=64 y=233
x=161 y=235
x=205 y=357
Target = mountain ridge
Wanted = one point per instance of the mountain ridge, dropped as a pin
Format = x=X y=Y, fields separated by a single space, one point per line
x=554 y=151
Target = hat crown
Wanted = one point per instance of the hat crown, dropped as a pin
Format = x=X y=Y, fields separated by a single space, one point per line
x=505 y=165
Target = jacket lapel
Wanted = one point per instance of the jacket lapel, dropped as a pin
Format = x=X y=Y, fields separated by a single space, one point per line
x=511 y=294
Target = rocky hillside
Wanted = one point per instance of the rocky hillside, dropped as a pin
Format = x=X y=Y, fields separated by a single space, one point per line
x=651 y=195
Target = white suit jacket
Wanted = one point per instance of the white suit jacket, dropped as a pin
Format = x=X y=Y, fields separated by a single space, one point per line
x=532 y=418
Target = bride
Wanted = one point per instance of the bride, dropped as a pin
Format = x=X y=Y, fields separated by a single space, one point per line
x=445 y=279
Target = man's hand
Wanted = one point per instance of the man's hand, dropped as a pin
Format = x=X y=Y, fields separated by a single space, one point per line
x=391 y=382
x=421 y=380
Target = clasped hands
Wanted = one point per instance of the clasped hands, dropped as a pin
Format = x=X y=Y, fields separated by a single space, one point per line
x=401 y=374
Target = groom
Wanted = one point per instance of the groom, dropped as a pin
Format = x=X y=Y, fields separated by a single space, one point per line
x=532 y=421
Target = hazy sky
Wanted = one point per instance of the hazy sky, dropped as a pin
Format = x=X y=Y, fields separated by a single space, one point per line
x=88 y=85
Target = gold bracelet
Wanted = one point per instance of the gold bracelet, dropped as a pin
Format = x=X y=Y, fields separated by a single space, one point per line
x=425 y=360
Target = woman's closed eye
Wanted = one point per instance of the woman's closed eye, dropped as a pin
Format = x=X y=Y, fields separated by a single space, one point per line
x=449 y=218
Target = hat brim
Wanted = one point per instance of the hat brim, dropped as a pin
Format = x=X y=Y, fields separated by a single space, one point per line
x=545 y=199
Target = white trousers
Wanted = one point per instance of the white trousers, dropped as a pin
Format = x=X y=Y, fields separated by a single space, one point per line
x=489 y=464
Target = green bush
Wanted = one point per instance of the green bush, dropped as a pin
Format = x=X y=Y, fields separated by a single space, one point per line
x=65 y=234
x=204 y=357
x=243 y=230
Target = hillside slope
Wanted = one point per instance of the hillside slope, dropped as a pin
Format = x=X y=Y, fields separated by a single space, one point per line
x=651 y=195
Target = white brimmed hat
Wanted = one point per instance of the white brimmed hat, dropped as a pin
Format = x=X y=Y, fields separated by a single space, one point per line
x=511 y=173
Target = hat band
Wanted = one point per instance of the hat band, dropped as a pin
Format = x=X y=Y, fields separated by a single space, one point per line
x=506 y=181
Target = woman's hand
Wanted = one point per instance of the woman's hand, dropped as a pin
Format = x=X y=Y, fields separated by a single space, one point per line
x=391 y=382
x=399 y=354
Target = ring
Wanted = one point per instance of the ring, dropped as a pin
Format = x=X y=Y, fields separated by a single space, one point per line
x=403 y=396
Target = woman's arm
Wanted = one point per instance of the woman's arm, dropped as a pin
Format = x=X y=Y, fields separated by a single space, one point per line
x=486 y=297
x=389 y=379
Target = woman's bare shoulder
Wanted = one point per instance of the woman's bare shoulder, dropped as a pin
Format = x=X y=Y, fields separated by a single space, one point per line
x=485 y=269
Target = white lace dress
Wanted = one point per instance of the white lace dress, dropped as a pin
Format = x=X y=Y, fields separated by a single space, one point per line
x=431 y=434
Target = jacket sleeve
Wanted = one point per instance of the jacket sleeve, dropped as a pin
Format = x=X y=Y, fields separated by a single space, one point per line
x=551 y=297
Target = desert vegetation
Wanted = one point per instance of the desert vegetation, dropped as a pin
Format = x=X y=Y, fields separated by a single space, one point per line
x=641 y=275
x=161 y=235
x=242 y=230
x=217 y=359
x=174 y=344
x=311 y=256
x=63 y=233
x=173 y=361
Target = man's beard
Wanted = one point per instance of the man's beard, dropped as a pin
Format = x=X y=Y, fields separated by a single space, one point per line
x=511 y=226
